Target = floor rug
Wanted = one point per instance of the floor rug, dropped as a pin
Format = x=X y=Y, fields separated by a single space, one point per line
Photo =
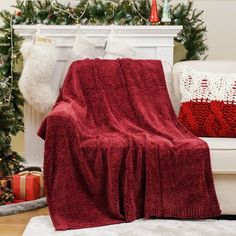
x=22 y=207
x=42 y=225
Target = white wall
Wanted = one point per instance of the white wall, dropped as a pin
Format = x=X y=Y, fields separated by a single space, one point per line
x=220 y=18
x=6 y=4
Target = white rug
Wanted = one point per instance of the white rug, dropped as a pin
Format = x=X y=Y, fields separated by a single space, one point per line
x=42 y=226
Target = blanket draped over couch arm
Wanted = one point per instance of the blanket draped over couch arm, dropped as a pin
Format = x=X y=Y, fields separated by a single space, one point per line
x=115 y=151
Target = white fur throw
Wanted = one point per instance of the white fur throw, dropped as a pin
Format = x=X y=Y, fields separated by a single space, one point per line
x=39 y=63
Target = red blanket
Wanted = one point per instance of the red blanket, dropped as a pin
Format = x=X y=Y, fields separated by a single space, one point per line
x=115 y=151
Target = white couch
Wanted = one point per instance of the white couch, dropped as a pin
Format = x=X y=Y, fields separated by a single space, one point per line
x=223 y=150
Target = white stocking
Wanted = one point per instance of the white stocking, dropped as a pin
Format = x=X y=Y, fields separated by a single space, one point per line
x=39 y=64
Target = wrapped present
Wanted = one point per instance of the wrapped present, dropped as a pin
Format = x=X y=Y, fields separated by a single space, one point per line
x=28 y=185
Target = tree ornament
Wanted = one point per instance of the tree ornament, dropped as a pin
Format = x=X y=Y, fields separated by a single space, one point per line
x=50 y=17
x=18 y=13
x=154 y=17
x=166 y=13
x=99 y=6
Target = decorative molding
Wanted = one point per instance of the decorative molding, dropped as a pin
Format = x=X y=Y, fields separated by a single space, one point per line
x=98 y=30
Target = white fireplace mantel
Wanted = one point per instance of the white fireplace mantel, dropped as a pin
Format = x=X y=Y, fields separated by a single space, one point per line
x=158 y=39
x=149 y=42
x=99 y=30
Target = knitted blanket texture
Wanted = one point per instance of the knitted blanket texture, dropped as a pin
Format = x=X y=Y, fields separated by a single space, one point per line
x=115 y=150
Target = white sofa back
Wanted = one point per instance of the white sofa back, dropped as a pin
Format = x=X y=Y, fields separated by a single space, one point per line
x=205 y=66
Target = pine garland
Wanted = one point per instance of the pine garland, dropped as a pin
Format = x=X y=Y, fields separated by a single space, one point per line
x=193 y=35
x=123 y=12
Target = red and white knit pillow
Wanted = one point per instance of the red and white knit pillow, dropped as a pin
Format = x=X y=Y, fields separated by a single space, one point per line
x=208 y=105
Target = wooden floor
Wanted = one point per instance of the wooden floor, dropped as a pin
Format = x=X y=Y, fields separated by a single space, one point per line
x=14 y=225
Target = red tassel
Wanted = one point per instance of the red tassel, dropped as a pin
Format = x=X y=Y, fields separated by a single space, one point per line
x=154 y=17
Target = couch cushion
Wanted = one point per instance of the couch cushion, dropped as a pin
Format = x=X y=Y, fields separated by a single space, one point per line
x=223 y=154
x=208 y=103
x=205 y=66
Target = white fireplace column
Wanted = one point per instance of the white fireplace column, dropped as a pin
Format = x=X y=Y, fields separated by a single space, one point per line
x=149 y=42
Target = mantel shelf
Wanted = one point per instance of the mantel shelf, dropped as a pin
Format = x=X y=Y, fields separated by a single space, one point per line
x=102 y=30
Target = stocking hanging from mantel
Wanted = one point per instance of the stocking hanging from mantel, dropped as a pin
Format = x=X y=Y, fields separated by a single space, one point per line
x=40 y=57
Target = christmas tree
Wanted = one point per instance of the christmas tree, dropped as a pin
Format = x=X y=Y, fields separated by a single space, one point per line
x=11 y=116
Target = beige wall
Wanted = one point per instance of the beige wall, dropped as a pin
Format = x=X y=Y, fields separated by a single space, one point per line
x=6 y=4
x=220 y=18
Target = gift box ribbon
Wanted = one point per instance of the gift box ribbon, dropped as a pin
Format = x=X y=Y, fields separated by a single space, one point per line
x=24 y=175
x=3 y=182
x=6 y=182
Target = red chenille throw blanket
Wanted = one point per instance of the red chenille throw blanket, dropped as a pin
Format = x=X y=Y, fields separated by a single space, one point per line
x=115 y=151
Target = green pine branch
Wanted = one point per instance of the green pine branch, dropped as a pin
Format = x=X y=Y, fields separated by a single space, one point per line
x=193 y=35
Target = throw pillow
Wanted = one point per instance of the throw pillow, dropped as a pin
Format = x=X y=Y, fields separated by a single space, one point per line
x=208 y=105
